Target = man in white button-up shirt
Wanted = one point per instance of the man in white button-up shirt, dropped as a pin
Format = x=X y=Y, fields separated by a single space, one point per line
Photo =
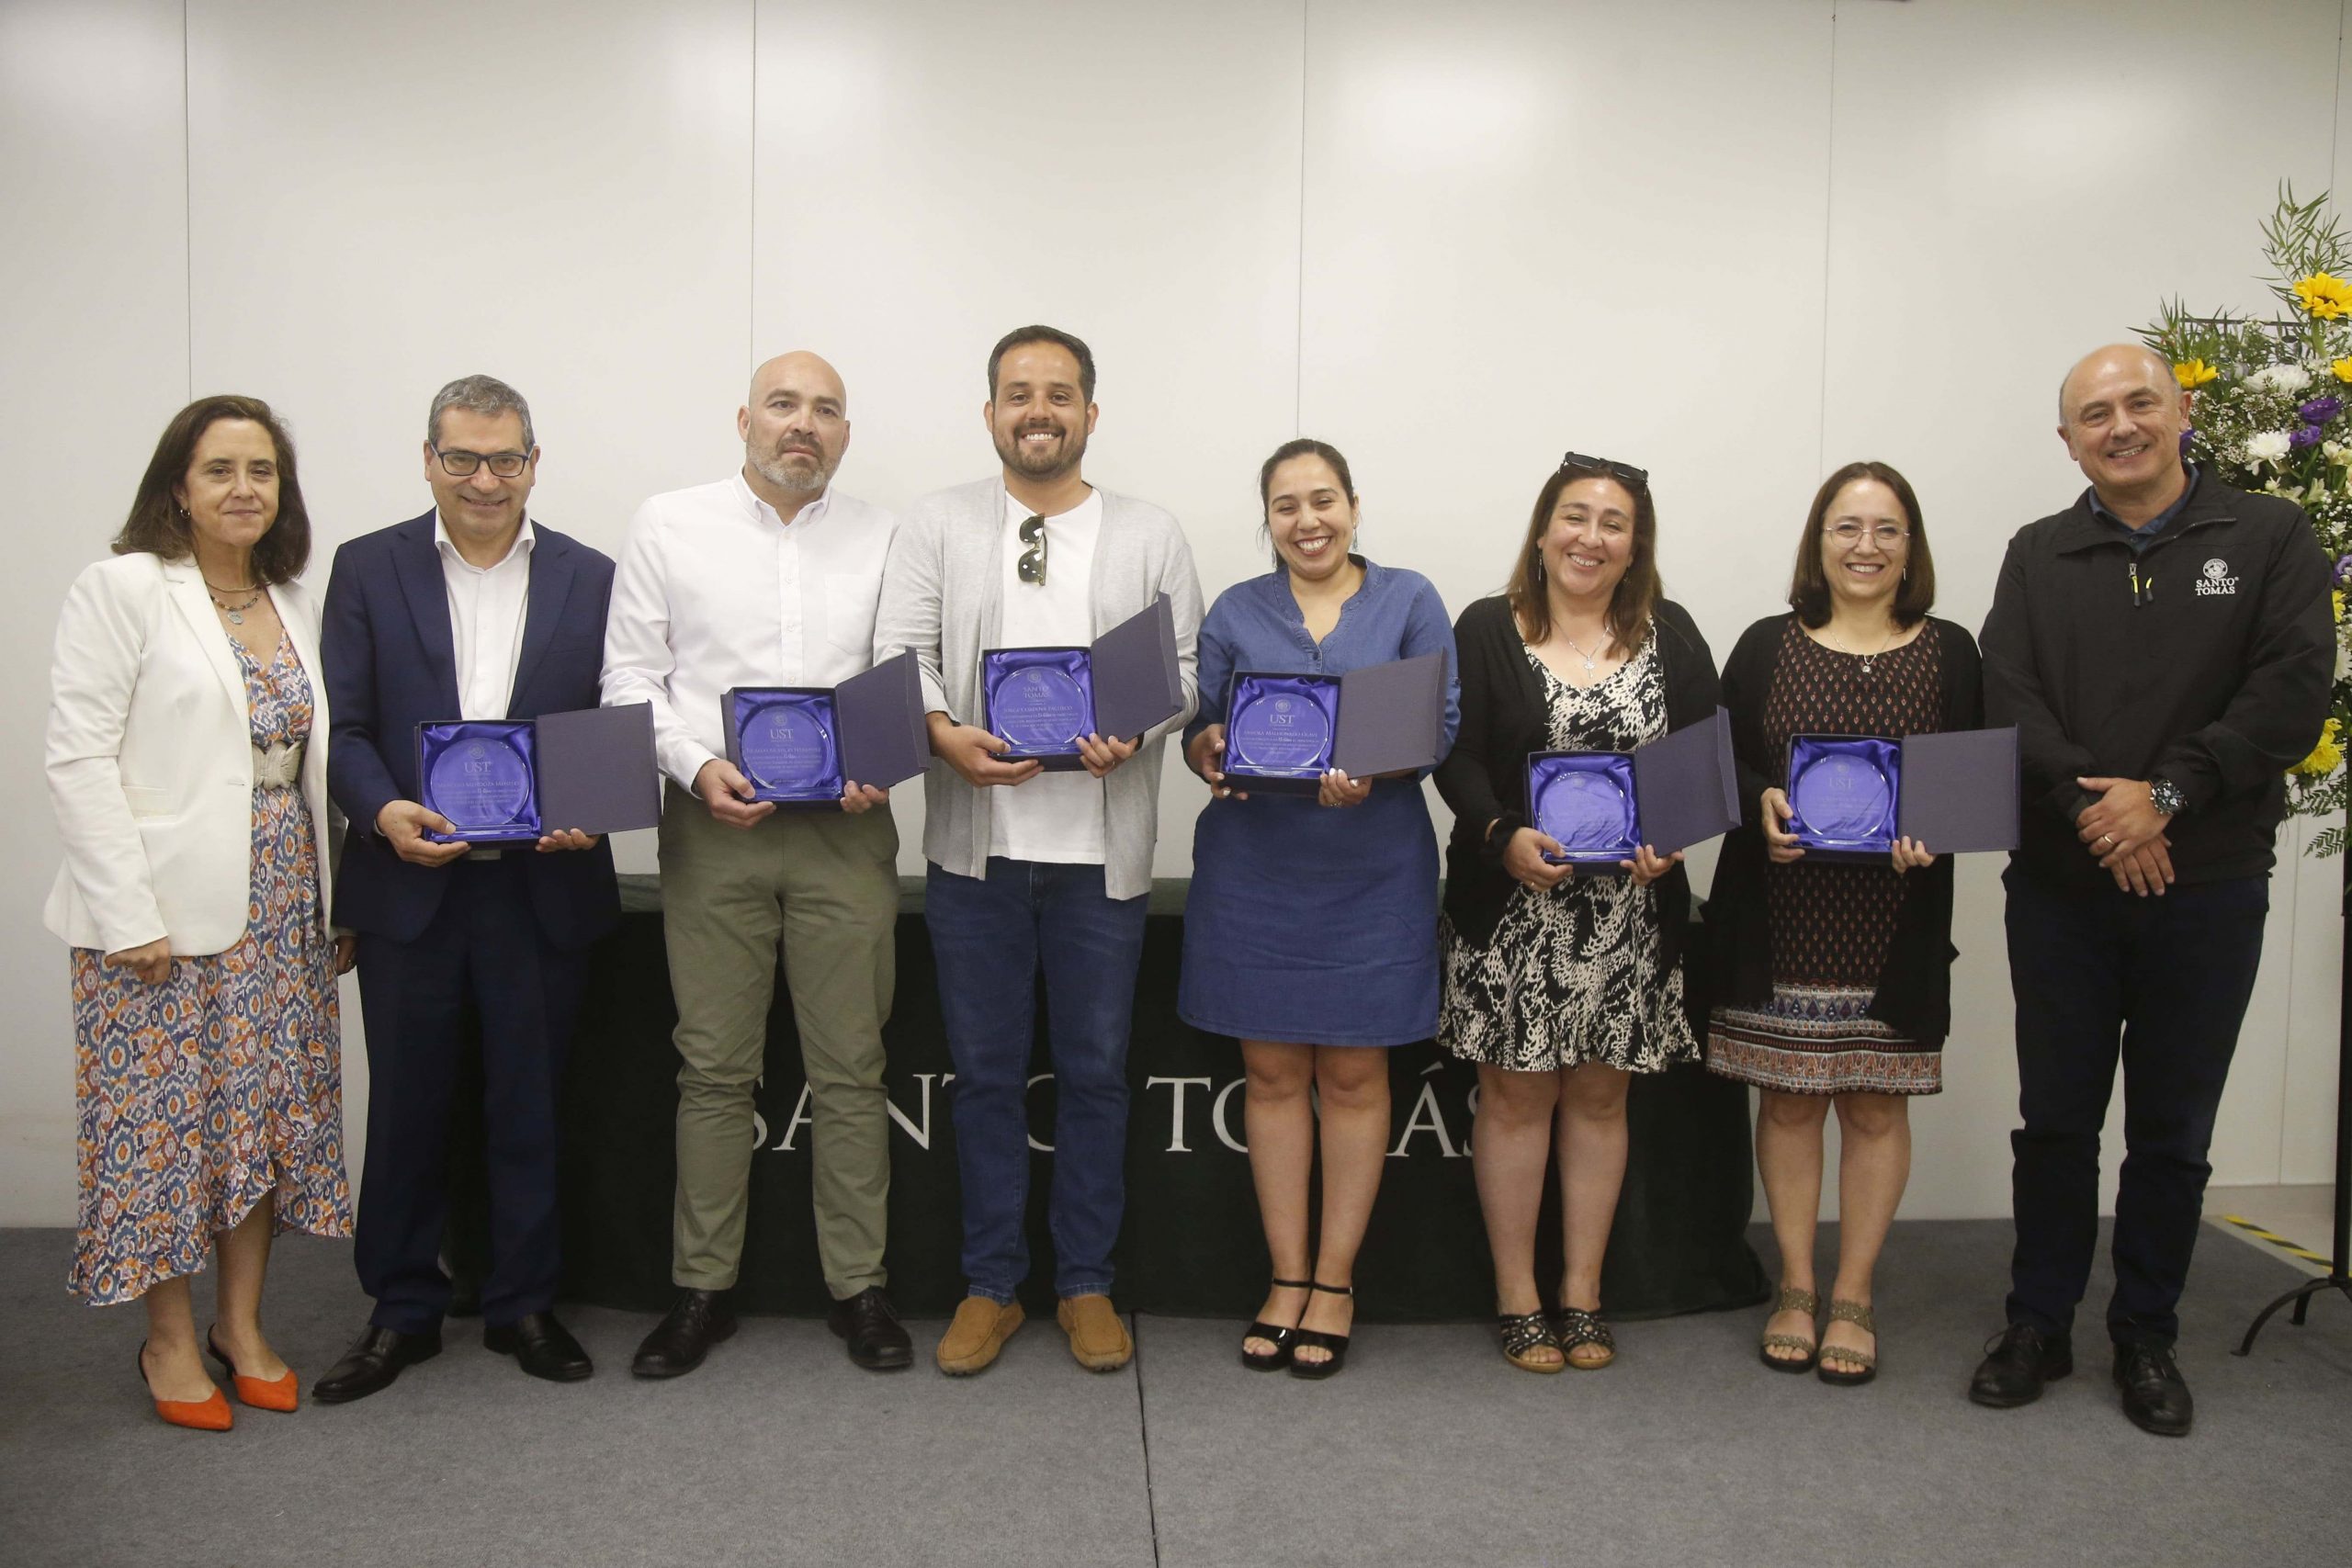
x=767 y=578
x=472 y=611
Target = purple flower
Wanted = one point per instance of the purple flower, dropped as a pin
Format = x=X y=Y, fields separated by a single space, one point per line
x=2187 y=436
x=2343 y=571
x=2310 y=436
x=2319 y=410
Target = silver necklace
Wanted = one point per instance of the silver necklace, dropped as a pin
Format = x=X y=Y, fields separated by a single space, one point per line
x=236 y=613
x=1589 y=659
x=1868 y=659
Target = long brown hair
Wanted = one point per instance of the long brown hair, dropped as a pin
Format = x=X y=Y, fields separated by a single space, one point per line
x=1637 y=591
x=1809 y=584
x=156 y=524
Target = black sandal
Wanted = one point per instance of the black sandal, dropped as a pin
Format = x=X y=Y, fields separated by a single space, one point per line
x=1335 y=1343
x=1524 y=1331
x=1284 y=1338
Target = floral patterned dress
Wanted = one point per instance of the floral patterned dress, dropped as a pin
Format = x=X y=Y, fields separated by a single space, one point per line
x=202 y=1096
x=1572 y=975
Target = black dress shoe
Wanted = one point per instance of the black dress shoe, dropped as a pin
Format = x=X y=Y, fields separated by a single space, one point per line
x=2017 y=1361
x=680 y=1341
x=2155 y=1394
x=374 y=1360
x=544 y=1347
x=877 y=1340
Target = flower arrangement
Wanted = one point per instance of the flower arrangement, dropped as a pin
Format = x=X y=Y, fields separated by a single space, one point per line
x=2268 y=405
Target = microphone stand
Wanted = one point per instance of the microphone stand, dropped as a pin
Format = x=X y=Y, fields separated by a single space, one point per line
x=2336 y=1278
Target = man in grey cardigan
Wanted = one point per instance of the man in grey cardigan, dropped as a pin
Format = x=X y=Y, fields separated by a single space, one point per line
x=1030 y=867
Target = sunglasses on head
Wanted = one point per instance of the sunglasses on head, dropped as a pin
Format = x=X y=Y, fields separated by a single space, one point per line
x=1624 y=473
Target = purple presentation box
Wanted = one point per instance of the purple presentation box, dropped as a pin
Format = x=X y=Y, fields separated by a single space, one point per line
x=1954 y=793
x=1674 y=792
x=1283 y=732
x=509 y=781
x=1041 y=700
x=801 y=745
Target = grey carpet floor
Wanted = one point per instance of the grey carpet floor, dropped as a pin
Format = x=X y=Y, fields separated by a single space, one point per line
x=1428 y=1449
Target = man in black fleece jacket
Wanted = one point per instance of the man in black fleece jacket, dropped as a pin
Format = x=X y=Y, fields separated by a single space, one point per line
x=2165 y=647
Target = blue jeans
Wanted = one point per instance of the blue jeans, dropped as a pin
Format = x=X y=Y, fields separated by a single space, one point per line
x=989 y=937
x=2161 y=986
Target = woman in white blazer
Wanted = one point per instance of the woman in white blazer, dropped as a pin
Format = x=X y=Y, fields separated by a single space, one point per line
x=185 y=702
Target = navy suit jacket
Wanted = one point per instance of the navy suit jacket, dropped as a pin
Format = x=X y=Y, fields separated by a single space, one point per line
x=391 y=665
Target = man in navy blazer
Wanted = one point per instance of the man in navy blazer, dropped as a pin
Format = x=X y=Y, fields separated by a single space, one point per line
x=470 y=612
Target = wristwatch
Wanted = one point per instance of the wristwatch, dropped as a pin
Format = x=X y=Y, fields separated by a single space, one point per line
x=2166 y=798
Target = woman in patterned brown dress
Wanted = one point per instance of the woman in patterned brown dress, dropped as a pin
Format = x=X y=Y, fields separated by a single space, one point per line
x=1833 y=981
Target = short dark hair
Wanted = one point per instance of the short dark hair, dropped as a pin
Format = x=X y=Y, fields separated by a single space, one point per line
x=1020 y=335
x=1637 y=592
x=1809 y=585
x=156 y=524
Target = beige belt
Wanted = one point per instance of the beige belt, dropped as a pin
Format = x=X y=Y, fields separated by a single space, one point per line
x=278 y=767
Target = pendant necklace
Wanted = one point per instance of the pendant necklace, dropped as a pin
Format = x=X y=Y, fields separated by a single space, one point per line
x=236 y=613
x=1868 y=659
x=1580 y=653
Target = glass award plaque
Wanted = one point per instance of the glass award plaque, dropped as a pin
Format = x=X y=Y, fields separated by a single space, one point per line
x=787 y=738
x=1845 y=790
x=1585 y=800
x=1279 y=727
x=480 y=775
x=1039 y=701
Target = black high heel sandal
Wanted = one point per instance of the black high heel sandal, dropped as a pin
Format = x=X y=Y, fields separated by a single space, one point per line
x=1335 y=1343
x=1284 y=1338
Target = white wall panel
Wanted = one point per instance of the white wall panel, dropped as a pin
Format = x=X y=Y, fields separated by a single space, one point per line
x=1593 y=226
x=2013 y=183
x=93 y=267
x=933 y=174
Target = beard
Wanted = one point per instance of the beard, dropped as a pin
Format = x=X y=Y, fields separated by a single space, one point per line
x=1049 y=464
x=799 y=481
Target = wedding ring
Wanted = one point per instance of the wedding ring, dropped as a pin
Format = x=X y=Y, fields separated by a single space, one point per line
x=2107 y=838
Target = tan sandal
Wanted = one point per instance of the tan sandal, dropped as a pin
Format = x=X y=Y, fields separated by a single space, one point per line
x=1859 y=1317
x=1791 y=1299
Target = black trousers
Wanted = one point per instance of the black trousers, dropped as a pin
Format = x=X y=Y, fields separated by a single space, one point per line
x=2161 y=984
x=482 y=954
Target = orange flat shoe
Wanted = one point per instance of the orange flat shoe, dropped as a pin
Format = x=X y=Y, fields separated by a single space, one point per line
x=282 y=1395
x=210 y=1415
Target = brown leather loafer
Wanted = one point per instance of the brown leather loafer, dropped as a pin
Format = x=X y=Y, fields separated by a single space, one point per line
x=979 y=1330
x=1098 y=1337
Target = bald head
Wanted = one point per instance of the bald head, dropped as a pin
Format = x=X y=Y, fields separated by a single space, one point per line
x=798 y=367
x=2135 y=361
x=795 y=427
x=2123 y=418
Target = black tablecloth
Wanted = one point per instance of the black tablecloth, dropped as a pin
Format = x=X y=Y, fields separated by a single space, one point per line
x=1191 y=1244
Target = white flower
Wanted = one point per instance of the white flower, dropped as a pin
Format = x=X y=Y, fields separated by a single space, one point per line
x=2270 y=446
x=2290 y=377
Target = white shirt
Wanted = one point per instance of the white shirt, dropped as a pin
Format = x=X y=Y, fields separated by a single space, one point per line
x=1054 y=817
x=487 y=606
x=715 y=590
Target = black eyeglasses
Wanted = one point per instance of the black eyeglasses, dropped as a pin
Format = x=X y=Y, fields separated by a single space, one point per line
x=1625 y=473
x=462 y=464
x=1032 y=559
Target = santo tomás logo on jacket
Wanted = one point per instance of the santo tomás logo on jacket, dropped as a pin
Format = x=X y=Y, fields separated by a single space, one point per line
x=2216 y=579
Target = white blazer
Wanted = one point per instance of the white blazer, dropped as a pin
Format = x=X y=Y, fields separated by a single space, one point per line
x=149 y=759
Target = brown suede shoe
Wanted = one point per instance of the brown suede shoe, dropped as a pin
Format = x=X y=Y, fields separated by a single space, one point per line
x=1098 y=1337
x=978 y=1332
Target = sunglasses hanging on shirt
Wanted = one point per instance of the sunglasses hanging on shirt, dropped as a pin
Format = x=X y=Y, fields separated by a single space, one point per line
x=1032 y=566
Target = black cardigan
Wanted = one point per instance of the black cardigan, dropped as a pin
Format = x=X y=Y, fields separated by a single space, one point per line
x=1915 y=985
x=1485 y=777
